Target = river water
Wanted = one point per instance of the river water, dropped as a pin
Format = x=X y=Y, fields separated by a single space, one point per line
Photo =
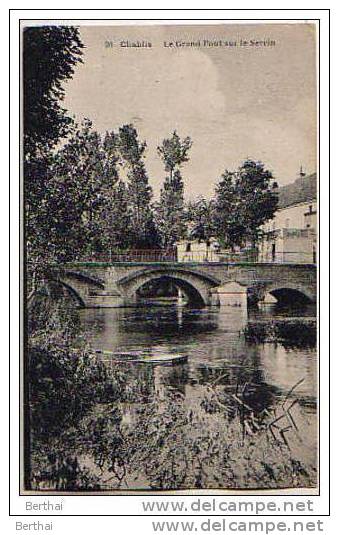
x=216 y=352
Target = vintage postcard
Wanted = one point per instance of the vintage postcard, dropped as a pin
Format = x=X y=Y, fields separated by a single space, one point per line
x=170 y=245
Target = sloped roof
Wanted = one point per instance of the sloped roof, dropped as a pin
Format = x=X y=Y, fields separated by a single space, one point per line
x=303 y=189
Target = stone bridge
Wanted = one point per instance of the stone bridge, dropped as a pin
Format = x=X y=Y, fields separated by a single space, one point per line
x=204 y=284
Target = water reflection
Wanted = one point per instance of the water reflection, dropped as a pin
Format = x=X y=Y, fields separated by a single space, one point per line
x=214 y=343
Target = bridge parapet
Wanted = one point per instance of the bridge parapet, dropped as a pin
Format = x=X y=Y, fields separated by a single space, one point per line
x=116 y=283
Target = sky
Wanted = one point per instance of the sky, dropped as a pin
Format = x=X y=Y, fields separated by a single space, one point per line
x=234 y=101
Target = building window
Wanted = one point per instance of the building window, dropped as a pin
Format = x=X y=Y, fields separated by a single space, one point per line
x=188 y=248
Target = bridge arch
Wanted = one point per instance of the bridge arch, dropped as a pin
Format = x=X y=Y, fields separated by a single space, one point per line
x=287 y=293
x=78 y=285
x=195 y=298
x=196 y=286
x=84 y=278
x=72 y=292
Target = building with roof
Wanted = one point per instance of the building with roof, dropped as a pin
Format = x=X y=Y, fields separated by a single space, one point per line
x=291 y=237
x=198 y=250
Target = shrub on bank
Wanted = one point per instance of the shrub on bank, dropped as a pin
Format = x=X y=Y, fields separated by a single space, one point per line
x=291 y=333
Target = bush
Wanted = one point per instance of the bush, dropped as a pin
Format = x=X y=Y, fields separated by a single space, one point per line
x=64 y=384
x=291 y=333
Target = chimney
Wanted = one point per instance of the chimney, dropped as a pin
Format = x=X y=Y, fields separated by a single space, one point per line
x=301 y=172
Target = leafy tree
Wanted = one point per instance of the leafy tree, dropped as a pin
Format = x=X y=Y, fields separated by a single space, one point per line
x=174 y=152
x=132 y=151
x=79 y=194
x=117 y=219
x=36 y=217
x=229 y=228
x=245 y=200
x=200 y=219
x=50 y=55
x=170 y=210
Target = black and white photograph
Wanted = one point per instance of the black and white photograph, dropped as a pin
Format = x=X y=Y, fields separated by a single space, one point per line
x=169 y=209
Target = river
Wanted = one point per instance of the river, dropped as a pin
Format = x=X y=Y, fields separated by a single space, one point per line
x=258 y=375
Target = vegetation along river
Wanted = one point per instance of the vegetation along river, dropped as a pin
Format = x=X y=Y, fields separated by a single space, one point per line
x=237 y=410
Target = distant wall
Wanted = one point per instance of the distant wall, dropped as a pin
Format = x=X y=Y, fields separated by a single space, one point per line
x=298 y=216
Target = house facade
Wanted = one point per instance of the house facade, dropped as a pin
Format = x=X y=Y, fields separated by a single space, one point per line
x=291 y=237
x=198 y=251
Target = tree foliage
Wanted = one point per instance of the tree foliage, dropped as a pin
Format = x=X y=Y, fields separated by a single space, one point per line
x=81 y=206
x=117 y=223
x=245 y=200
x=170 y=210
x=50 y=55
x=143 y=231
x=199 y=214
x=78 y=182
x=174 y=151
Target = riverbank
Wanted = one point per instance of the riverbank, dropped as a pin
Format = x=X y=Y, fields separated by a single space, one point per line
x=292 y=332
